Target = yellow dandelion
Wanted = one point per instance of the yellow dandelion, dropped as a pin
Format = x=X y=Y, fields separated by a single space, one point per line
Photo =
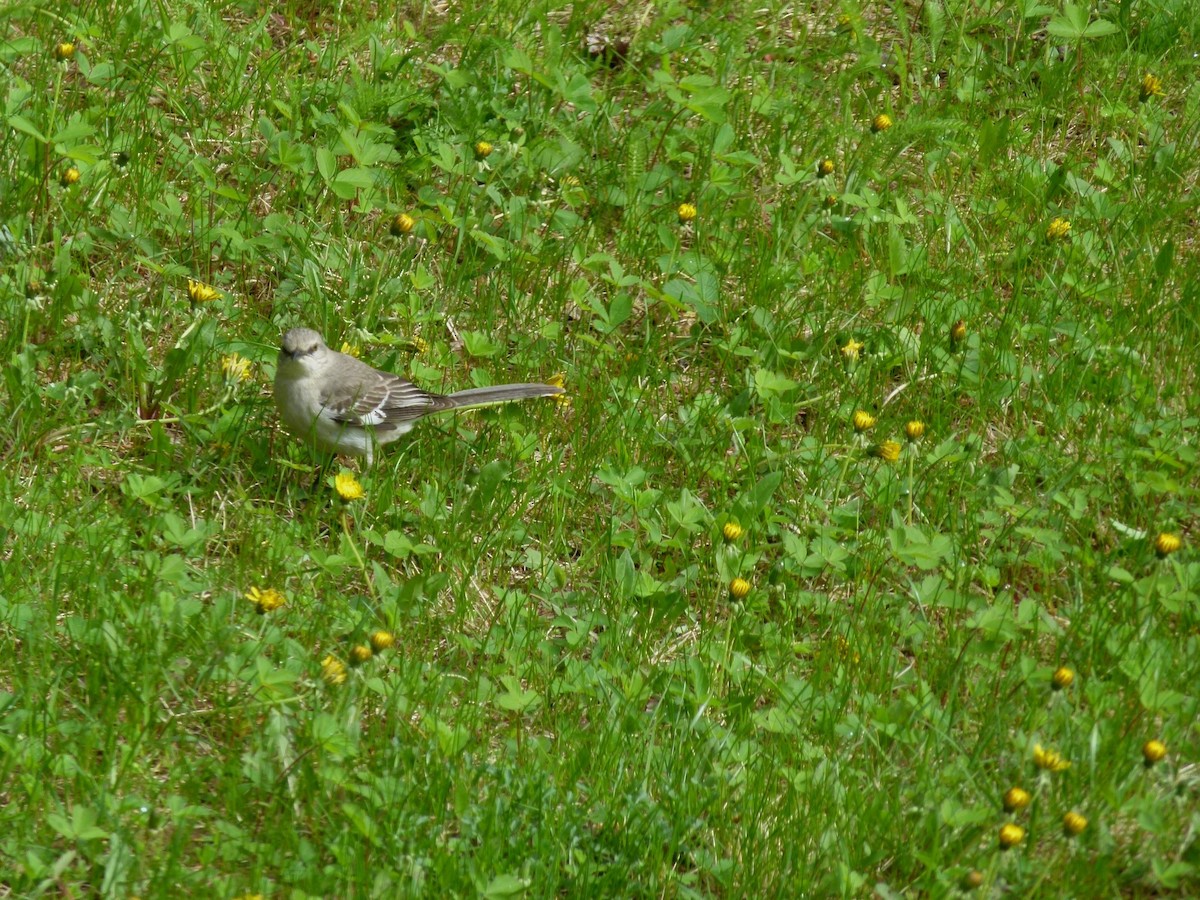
x=360 y=653
x=236 y=367
x=265 y=600
x=914 y=429
x=382 y=640
x=1166 y=544
x=333 y=670
x=852 y=348
x=888 y=451
x=69 y=177
x=826 y=167
x=64 y=51
x=881 y=122
x=972 y=880
x=830 y=201
x=402 y=224
x=1074 y=824
x=347 y=486
x=958 y=332
x=1153 y=752
x=1050 y=760
x=1062 y=678
x=559 y=381
x=350 y=349
x=416 y=345
x=483 y=149
x=687 y=212
x=1016 y=799
x=1058 y=229
x=1011 y=835
x=862 y=420
x=199 y=292
x=732 y=531
x=1151 y=86
x=739 y=588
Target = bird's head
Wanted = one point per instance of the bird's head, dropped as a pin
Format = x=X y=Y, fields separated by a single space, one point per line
x=302 y=351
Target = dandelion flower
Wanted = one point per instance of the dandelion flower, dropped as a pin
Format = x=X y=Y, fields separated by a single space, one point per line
x=972 y=880
x=382 y=640
x=852 y=348
x=1058 y=229
x=862 y=420
x=236 y=367
x=1062 y=678
x=826 y=167
x=1166 y=544
x=66 y=50
x=402 y=224
x=333 y=670
x=958 y=332
x=347 y=486
x=483 y=149
x=69 y=177
x=914 y=430
x=416 y=345
x=687 y=212
x=1011 y=835
x=732 y=531
x=739 y=588
x=1153 y=752
x=888 y=451
x=1074 y=824
x=560 y=381
x=350 y=349
x=881 y=122
x=360 y=653
x=1151 y=86
x=1050 y=760
x=830 y=201
x=1016 y=799
x=199 y=292
x=265 y=600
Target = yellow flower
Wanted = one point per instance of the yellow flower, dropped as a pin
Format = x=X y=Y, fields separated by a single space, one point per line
x=1166 y=544
x=972 y=880
x=881 y=122
x=333 y=670
x=825 y=167
x=1074 y=824
x=350 y=349
x=914 y=430
x=687 y=212
x=265 y=600
x=483 y=149
x=888 y=451
x=732 y=531
x=830 y=201
x=1051 y=760
x=199 y=292
x=1151 y=86
x=958 y=332
x=347 y=486
x=1153 y=751
x=360 y=653
x=852 y=348
x=739 y=588
x=559 y=381
x=1016 y=799
x=862 y=420
x=66 y=50
x=416 y=345
x=235 y=367
x=1011 y=835
x=1062 y=678
x=382 y=640
x=69 y=177
x=402 y=224
x=1058 y=229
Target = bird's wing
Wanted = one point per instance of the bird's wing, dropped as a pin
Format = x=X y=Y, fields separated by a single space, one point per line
x=379 y=399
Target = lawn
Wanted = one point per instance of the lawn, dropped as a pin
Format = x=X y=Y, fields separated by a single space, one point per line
x=861 y=560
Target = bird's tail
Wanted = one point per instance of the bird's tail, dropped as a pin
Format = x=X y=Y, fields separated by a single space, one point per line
x=501 y=393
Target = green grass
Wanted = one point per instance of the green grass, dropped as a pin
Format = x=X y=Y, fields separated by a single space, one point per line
x=575 y=703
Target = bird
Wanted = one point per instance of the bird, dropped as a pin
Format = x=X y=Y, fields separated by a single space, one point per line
x=341 y=404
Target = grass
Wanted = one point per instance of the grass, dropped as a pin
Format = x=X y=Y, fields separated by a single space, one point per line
x=576 y=701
